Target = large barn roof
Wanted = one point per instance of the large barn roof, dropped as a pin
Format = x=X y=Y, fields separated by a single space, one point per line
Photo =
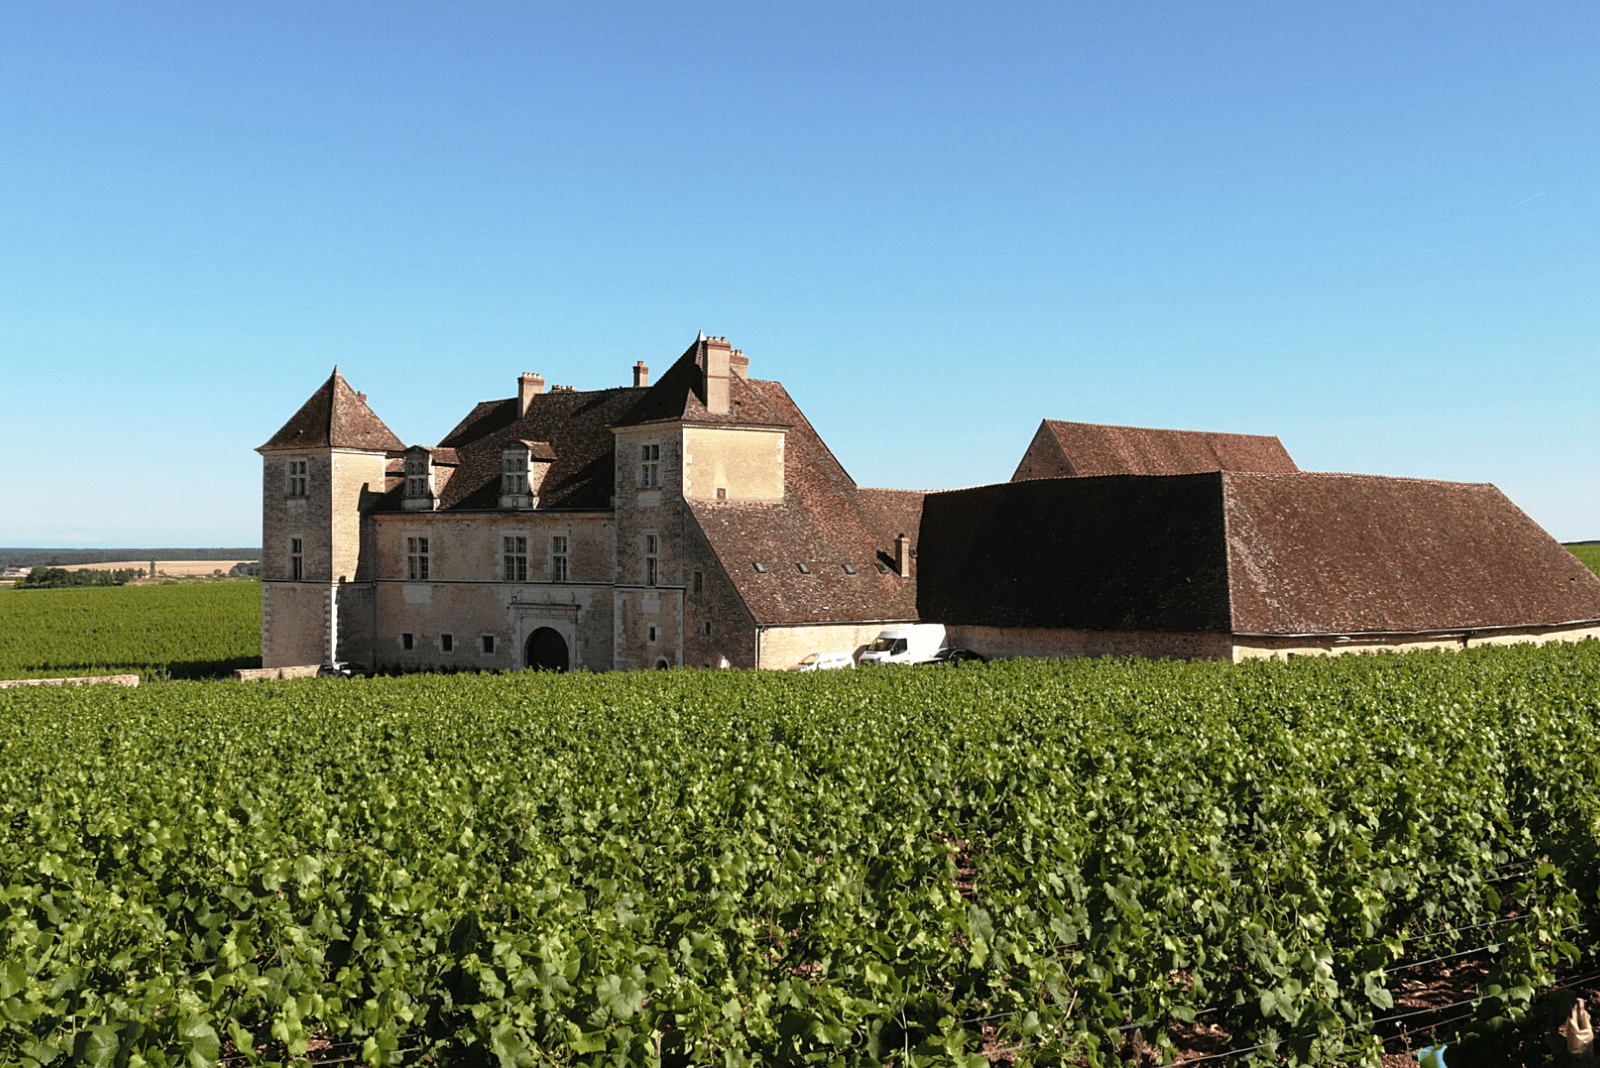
x=1267 y=554
x=1089 y=449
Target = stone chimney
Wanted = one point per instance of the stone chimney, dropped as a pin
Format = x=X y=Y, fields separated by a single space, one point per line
x=719 y=355
x=739 y=363
x=528 y=387
x=641 y=375
x=902 y=555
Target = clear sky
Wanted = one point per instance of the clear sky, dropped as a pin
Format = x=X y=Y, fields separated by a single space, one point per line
x=1369 y=228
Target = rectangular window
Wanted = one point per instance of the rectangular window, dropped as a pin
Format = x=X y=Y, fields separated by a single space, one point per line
x=514 y=475
x=407 y=640
x=649 y=466
x=447 y=643
x=558 y=558
x=297 y=478
x=652 y=547
x=297 y=560
x=514 y=555
x=488 y=643
x=653 y=633
x=418 y=477
x=708 y=628
x=417 y=559
x=699 y=581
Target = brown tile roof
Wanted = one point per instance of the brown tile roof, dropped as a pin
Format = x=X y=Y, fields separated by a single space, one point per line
x=1324 y=553
x=335 y=416
x=571 y=428
x=680 y=395
x=1312 y=554
x=824 y=522
x=1089 y=449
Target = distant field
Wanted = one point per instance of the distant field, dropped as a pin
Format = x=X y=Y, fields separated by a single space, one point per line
x=1589 y=554
x=183 y=630
x=170 y=567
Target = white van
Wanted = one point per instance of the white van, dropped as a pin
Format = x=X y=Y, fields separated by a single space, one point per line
x=915 y=643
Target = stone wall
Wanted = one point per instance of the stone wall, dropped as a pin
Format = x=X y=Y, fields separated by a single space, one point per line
x=785 y=646
x=294 y=623
x=1270 y=648
x=1005 y=642
x=745 y=464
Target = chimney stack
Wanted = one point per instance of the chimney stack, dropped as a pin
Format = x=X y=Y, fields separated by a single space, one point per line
x=739 y=363
x=641 y=375
x=528 y=387
x=719 y=355
x=902 y=555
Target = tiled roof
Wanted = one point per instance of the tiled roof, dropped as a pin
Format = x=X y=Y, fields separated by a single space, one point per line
x=1089 y=449
x=570 y=427
x=1323 y=553
x=679 y=394
x=824 y=522
x=335 y=416
x=1313 y=554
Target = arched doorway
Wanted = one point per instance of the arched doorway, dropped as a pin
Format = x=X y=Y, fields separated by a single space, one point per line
x=546 y=650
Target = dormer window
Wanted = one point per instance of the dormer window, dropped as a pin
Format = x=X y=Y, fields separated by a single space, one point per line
x=514 y=475
x=523 y=465
x=419 y=481
x=297 y=478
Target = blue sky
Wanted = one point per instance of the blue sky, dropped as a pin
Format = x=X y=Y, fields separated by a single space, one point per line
x=1368 y=228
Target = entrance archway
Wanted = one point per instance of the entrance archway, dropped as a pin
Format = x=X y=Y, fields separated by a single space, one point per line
x=546 y=650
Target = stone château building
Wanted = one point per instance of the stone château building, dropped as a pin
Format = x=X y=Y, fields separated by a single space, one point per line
x=696 y=521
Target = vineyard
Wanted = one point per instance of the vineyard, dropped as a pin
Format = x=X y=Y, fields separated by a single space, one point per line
x=196 y=630
x=1589 y=554
x=1020 y=863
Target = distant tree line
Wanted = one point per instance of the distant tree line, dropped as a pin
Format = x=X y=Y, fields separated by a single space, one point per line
x=37 y=557
x=52 y=578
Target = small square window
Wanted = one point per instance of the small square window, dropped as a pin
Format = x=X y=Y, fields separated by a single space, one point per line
x=488 y=643
x=803 y=569
x=447 y=643
x=883 y=569
x=761 y=569
x=408 y=640
x=722 y=493
x=849 y=569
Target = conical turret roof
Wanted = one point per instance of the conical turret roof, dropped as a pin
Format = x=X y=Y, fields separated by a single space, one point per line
x=337 y=417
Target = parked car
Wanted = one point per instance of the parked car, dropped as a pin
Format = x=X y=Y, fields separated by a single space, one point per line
x=336 y=670
x=825 y=662
x=957 y=657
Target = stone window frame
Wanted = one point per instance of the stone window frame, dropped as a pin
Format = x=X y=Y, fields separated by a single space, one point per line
x=650 y=465
x=297 y=476
x=297 y=559
x=419 y=477
x=514 y=472
x=652 y=635
x=418 y=550
x=486 y=643
x=560 y=557
x=514 y=557
x=652 y=558
x=447 y=643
